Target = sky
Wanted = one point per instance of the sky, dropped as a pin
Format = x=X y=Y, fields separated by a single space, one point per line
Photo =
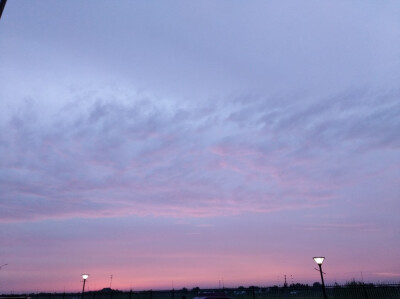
x=179 y=144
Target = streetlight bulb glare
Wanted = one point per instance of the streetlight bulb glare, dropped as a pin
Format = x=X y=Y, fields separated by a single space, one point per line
x=319 y=260
x=85 y=276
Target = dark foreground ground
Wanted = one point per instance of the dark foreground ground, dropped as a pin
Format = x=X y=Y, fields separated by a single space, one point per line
x=348 y=291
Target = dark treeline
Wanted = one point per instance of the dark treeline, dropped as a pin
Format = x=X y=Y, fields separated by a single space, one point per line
x=350 y=290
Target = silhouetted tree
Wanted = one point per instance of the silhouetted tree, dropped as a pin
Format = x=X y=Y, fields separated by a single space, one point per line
x=196 y=290
x=184 y=290
x=316 y=285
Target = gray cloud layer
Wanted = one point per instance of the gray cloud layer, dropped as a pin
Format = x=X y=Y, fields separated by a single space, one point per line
x=208 y=109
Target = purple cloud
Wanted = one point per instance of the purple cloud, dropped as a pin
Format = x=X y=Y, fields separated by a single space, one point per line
x=130 y=155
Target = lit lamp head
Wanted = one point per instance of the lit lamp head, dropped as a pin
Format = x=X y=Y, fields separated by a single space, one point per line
x=319 y=260
x=85 y=276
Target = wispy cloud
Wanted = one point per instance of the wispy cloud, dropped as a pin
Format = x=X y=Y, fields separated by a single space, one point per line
x=349 y=227
x=388 y=274
x=131 y=154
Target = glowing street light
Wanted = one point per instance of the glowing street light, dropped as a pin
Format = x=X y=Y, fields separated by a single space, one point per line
x=84 y=276
x=319 y=261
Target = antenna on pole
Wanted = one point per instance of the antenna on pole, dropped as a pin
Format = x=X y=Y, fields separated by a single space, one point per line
x=111 y=277
x=2 y=5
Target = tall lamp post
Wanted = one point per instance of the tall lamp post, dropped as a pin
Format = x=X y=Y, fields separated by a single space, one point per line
x=84 y=276
x=319 y=261
x=2 y=5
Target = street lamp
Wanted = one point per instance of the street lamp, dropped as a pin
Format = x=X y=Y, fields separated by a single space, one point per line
x=84 y=276
x=319 y=261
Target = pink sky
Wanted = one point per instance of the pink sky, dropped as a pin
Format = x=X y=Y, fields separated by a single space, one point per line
x=179 y=145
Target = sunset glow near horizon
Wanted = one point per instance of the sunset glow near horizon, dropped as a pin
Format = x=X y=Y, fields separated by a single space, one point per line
x=183 y=144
